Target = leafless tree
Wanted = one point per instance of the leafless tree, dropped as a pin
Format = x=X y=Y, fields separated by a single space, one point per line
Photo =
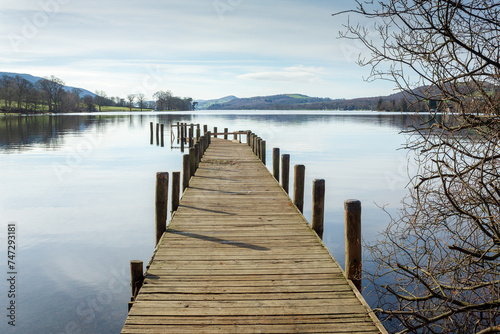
x=140 y=98
x=131 y=98
x=100 y=98
x=52 y=89
x=438 y=261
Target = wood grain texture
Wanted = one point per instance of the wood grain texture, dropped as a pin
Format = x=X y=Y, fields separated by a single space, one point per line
x=238 y=257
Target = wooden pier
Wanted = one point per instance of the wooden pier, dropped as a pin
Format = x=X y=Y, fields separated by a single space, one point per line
x=239 y=257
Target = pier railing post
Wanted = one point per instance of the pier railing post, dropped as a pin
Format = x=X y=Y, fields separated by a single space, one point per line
x=162 y=135
x=353 y=260
x=248 y=137
x=190 y=136
x=225 y=133
x=276 y=163
x=161 y=204
x=198 y=134
x=215 y=132
x=318 y=207
x=205 y=128
x=197 y=155
x=152 y=132
x=176 y=188
x=263 y=151
x=298 y=187
x=186 y=172
x=136 y=279
x=285 y=172
x=192 y=161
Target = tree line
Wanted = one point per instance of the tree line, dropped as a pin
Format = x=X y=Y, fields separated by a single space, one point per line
x=50 y=95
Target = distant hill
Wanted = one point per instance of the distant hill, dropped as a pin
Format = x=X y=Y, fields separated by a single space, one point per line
x=283 y=101
x=34 y=79
x=205 y=104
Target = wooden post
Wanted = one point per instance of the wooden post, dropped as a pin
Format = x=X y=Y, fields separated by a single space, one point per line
x=225 y=133
x=136 y=277
x=191 y=137
x=197 y=154
x=248 y=137
x=285 y=172
x=205 y=129
x=178 y=132
x=298 y=187
x=157 y=133
x=215 y=132
x=152 y=132
x=318 y=207
x=192 y=161
x=235 y=135
x=209 y=137
x=162 y=126
x=186 y=172
x=276 y=163
x=161 y=204
x=176 y=188
x=182 y=137
x=353 y=261
x=263 y=151
x=198 y=135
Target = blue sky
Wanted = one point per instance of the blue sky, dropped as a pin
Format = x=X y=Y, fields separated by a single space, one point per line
x=198 y=48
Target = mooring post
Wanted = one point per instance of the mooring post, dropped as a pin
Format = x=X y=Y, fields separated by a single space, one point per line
x=197 y=155
x=276 y=163
x=263 y=151
x=186 y=172
x=136 y=278
x=152 y=132
x=318 y=207
x=191 y=137
x=215 y=132
x=178 y=132
x=162 y=126
x=353 y=260
x=205 y=128
x=161 y=204
x=176 y=188
x=157 y=133
x=298 y=187
x=192 y=161
x=248 y=137
x=225 y=133
x=285 y=172
x=198 y=134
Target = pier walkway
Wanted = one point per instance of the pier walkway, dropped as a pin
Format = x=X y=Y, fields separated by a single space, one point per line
x=238 y=257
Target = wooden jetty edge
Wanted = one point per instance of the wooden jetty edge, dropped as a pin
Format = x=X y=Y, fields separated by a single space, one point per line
x=239 y=257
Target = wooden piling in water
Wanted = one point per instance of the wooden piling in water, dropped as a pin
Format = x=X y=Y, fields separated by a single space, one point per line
x=298 y=187
x=186 y=172
x=190 y=137
x=276 y=163
x=162 y=138
x=136 y=279
x=182 y=137
x=151 y=132
x=263 y=151
x=176 y=188
x=178 y=132
x=192 y=161
x=161 y=204
x=318 y=206
x=157 y=133
x=353 y=260
x=285 y=172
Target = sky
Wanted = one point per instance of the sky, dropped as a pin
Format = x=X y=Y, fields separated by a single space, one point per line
x=204 y=49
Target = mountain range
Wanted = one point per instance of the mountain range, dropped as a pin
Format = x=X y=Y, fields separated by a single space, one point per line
x=33 y=79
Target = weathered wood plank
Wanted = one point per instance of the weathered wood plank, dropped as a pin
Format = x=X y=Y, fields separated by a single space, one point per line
x=238 y=257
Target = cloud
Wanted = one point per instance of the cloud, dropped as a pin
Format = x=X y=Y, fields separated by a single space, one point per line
x=289 y=74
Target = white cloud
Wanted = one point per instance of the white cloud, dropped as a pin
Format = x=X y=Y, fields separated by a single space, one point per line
x=296 y=74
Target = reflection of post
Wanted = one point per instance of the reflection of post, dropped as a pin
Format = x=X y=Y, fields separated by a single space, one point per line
x=353 y=262
x=298 y=187
x=152 y=132
x=318 y=207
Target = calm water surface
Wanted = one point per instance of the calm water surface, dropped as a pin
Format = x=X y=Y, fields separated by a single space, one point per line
x=80 y=189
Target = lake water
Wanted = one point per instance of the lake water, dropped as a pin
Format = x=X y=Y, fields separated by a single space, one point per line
x=80 y=191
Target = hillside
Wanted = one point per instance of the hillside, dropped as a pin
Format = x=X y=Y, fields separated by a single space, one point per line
x=34 y=79
x=205 y=104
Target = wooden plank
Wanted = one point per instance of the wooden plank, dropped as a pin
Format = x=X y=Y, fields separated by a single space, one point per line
x=238 y=257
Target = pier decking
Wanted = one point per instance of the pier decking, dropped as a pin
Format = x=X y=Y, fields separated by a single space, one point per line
x=238 y=257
